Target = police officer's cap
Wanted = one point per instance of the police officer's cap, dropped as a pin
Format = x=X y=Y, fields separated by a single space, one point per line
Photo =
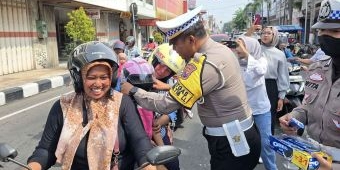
x=175 y=26
x=329 y=15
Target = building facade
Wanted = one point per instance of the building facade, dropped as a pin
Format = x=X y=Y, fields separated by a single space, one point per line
x=32 y=32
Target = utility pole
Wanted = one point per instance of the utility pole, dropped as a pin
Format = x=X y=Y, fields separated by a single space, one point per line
x=262 y=13
x=306 y=14
x=280 y=12
x=311 y=22
x=284 y=12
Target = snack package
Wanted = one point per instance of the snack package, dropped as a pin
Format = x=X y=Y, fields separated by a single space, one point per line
x=298 y=151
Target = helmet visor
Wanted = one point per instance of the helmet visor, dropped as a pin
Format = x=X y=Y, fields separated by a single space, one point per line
x=143 y=81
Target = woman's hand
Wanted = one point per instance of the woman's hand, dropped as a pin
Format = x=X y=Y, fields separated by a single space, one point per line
x=279 y=105
x=285 y=125
x=324 y=164
x=253 y=28
x=242 y=49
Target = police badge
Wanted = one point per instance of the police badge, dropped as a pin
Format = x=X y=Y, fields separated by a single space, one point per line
x=325 y=10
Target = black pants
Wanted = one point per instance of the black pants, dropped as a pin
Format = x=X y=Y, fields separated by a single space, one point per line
x=221 y=154
x=273 y=95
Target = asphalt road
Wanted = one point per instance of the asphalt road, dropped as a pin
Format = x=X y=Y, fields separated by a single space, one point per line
x=22 y=123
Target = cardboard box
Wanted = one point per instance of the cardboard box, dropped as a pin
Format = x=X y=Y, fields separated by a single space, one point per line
x=298 y=151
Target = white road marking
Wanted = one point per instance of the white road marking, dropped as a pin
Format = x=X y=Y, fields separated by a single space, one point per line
x=33 y=106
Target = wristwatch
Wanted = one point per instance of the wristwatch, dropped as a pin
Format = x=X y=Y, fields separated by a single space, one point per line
x=133 y=91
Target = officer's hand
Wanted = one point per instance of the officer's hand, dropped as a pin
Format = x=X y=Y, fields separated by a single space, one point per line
x=279 y=105
x=324 y=165
x=159 y=85
x=285 y=126
x=126 y=87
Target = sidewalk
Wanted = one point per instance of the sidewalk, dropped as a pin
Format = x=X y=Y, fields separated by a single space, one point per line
x=24 y=84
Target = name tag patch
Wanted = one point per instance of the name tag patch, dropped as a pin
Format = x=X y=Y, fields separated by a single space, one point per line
x=182 y=92
x=312 y=85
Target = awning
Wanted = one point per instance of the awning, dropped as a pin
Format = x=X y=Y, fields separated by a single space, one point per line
x=288 y=28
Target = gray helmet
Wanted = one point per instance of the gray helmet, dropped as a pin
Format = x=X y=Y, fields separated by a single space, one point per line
x=130 y=40
x=87 y=53
x=119 y=45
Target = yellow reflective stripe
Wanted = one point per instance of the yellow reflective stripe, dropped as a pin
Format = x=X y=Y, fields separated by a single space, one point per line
x=188 y=88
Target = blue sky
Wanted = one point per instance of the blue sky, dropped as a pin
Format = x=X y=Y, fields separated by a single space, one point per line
x=222 y=10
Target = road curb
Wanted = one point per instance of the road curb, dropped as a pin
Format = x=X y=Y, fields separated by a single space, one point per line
x=30 y=89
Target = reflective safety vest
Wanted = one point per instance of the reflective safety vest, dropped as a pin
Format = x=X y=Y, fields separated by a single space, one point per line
x=188 y=88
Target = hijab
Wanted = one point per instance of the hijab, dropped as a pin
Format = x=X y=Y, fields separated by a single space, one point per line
x=252 y=46
x=275 y=39
x=102 y=126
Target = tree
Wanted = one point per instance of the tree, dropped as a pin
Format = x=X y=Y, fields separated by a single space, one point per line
x=240 y=19
x=158 y=37
x=80 y=27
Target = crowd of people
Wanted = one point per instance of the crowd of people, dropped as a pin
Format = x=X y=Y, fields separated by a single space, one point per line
x=122 y=105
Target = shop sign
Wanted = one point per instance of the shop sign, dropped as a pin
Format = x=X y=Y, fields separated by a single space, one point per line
x=147 y=22
x=93 y=13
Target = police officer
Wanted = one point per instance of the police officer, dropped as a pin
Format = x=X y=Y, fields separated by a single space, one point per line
x=321 y=105
x=212 y=79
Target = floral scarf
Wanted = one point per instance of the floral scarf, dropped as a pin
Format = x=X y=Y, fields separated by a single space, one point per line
x=102 y=126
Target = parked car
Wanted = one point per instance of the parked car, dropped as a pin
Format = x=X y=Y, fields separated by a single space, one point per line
x=224 y=39
x=221 y=38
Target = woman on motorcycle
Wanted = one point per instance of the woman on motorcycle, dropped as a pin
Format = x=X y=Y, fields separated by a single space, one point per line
x=94 y=127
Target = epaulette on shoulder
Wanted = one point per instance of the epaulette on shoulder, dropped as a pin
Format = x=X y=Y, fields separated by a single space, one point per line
x=323 y=62
x=325 y=58
x=197 y=56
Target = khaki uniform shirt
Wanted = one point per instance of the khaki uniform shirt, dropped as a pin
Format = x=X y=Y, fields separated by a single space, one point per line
x=320 y=109
x=220 y=105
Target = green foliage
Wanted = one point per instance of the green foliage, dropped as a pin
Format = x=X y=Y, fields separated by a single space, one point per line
x=297 y=5
x=69 y=47
x=240 y=20
x=80 y=27
x=158 y=38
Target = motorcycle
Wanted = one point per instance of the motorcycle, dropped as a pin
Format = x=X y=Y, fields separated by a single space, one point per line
x=146 y=54
x=156 y=156
x=296 y=89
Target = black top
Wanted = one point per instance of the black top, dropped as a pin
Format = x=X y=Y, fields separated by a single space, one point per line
x=133 y=141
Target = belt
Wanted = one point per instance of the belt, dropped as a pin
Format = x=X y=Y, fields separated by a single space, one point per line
x=219 y=131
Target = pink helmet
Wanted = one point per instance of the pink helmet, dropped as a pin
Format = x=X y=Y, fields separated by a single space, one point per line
x=138 y=72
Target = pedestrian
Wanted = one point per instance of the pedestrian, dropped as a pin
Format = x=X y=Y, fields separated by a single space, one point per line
x=93 y=127
x=319 y=54
x=320 y=109
x=253 y=67
x=118 y=48
x=150 y=46
x=277 y=76
x=131 y=49
x=212 y=79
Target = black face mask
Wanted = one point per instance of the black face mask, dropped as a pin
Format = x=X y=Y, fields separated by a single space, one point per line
x=330 y=46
